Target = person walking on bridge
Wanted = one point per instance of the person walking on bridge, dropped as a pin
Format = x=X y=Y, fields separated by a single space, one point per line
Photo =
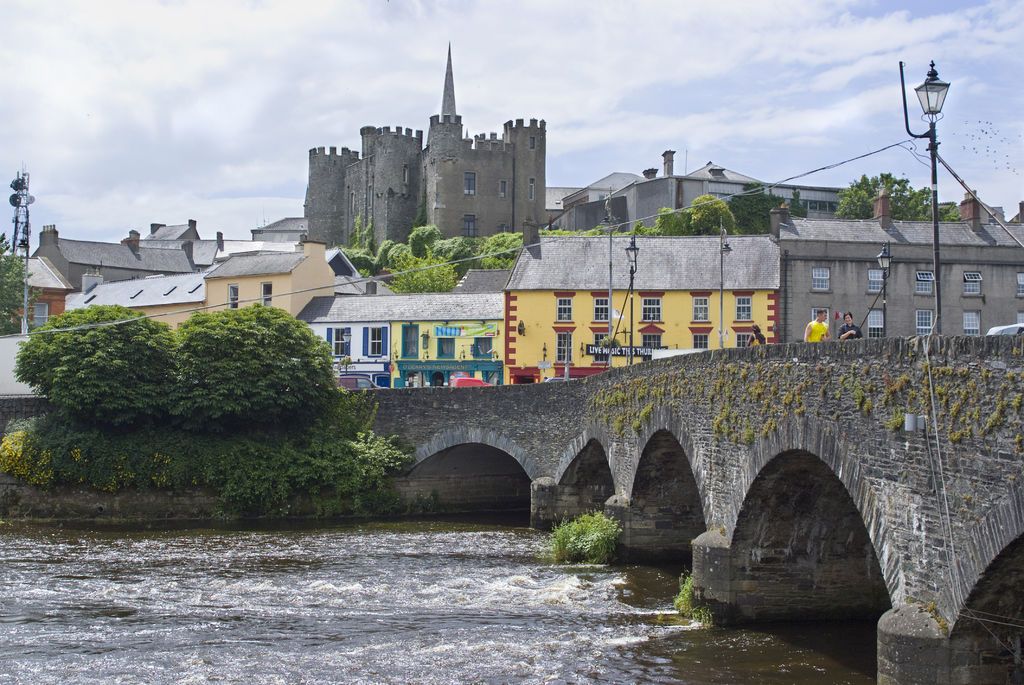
x=849 y=330
x=817 y=329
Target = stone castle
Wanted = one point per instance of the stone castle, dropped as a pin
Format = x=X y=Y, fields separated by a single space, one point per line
x=467 y=186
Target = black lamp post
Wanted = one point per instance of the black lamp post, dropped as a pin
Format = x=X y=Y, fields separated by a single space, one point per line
x=884 y=260
x=631 y=252
x=932 y=94
x=723 y=248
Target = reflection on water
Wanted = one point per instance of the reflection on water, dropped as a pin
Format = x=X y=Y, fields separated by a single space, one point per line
x=372 y=603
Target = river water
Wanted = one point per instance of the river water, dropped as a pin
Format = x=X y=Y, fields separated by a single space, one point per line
x=421 y=602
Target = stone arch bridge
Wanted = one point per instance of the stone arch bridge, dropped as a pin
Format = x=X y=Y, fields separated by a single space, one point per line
x=785 y=474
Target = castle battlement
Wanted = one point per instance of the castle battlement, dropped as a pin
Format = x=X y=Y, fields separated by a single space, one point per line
x=534 y=124
x=439 y=119
x=329 y=154
x=488 y=141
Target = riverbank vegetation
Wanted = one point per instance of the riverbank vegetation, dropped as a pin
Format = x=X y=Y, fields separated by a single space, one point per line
x=684 y=602
x=240 y=402
x=588 y=539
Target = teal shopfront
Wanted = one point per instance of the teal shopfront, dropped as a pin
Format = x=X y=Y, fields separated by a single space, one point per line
x=423 y=373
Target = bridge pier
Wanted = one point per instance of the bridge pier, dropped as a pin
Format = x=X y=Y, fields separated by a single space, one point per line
x=912 y=650
x=651 y=532
x=551 y=503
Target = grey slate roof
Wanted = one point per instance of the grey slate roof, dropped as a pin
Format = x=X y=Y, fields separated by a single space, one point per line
x=348 y=285
x=663 y=263
x=704 y=174
x=121 y=256
x=904 y=232
x=143 y=292
x=483 y=281
x=257 y=264
x=415 y=307
x=168 y=232
x=553 y=197
x=293 y=225
x=43 y=274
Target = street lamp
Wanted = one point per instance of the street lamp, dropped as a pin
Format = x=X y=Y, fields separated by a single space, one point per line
x=723 y=247
x=932 y=94
x=631 y=252
x=884 y=260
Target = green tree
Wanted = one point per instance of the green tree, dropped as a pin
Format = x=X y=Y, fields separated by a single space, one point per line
x=364 y=262
x=670 y=222
x=501 y=250
x=422 y=239
x=709 y=214
x=751 y=209
x=12 y=288
x=421 y=214
x=459 y=250
x=251 y=366
x=99 y=371
x=396 y=254
x=905 y=203
x=797 y=207
x=422 y=275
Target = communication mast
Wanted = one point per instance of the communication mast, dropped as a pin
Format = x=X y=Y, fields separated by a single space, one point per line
x=20 y=200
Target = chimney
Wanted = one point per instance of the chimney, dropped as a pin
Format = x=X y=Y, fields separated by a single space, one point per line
x=220 y=242
x=186 y=247
x=192 y=226
x=371 y=287
x=779 y=216
x=531 y=233
x=49 y=235
x=970 y=212
x=153 y=228
x=669 y=157
x=882 y=210
x=90 y=280
x=132 y=241
x=1020 y=215
x=650 y=173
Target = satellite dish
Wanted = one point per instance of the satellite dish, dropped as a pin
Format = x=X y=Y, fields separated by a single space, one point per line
x=15 y=200
x=30 y=200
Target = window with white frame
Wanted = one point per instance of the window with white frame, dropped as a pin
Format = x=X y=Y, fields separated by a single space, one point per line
x=563 y=309
x=875 y=278
x=598 y=340
x=651 y=340
x=469 y=225
x=1020 y=284
x=342 y=347
x=972 y=323
x=743 y=339
x=972 y=283
x=267 y=293
x=815 y=310
x=876 y=323
x=744 y=307
x=700 y=309
x=651 y=309
x=376 y=340
x=923 y=321
x=1020 y=317
x=923 y=282
x=563 y=348
x=40 y=313
x=233 y=296
x=469 y=183
x=820 y=278
x=700 y=341
x=600 y=309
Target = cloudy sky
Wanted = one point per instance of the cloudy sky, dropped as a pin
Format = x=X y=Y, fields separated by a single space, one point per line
x=128 y=113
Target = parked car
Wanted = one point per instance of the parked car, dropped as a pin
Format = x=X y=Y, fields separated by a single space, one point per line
x=351 y=382
x=554 y=379
x=1012 y=329
x=463 y=382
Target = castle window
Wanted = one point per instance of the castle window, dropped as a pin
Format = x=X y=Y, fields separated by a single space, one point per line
x=469 y=225
x=469 y=183
x=502 y=188
x=532 y=186
x=405 y=173
x=533 y=142
x=502 y=228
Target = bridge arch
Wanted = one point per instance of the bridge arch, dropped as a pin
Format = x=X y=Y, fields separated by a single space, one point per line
x=584 y=478
x=469 y=435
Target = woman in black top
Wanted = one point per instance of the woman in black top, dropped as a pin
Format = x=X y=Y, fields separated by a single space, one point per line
x=849 y=330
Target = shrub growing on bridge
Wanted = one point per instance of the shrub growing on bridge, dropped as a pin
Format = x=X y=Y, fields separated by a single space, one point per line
x=588 y=539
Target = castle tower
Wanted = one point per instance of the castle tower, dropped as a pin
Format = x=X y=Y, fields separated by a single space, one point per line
x=325 y=194
x=448 y=98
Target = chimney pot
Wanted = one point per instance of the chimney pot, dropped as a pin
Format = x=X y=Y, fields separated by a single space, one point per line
x=371 y=287
x=970 y=212
x=882 y=209
x=650 y=173
x=779 y=216
x=132 y=241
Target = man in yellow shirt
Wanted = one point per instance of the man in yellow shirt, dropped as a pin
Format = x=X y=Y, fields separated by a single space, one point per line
x=817 y=330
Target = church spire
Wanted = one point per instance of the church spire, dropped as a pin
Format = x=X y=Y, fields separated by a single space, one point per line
x=448 y=99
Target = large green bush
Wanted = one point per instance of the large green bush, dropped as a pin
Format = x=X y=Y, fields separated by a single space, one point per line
x=251 y=366
x=588 y=539
x=104 y=364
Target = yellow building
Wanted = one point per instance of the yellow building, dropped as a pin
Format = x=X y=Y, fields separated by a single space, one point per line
x=288 y=280
x=557 y=307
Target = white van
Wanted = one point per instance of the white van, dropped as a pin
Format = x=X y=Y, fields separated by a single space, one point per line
x=1012 y=329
